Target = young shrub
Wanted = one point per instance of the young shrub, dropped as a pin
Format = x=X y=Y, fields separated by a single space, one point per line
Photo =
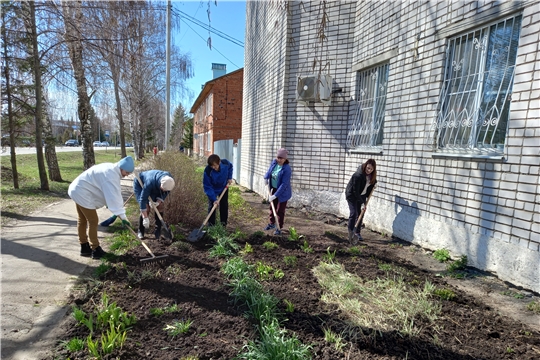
x=442 y=255
x=187 y=202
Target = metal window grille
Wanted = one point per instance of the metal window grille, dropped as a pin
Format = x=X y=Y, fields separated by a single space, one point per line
x=474 y=105
x=366 y=130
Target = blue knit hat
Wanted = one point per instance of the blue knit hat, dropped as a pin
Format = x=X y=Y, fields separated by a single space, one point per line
x=127 y=164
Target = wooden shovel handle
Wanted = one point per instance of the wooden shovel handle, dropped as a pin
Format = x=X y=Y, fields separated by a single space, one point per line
x=364 y=210
x=214 y=207
x=142 y=242
x=273 y=208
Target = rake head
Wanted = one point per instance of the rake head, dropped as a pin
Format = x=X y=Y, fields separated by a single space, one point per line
x=154 y=260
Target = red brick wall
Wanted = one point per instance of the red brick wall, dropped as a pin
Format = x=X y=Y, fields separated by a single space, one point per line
x=226 y=110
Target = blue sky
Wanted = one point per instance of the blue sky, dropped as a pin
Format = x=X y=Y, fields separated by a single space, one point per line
x=228 y=17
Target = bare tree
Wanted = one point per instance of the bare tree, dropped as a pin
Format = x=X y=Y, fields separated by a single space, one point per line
x=73 y=17
x=32 y=32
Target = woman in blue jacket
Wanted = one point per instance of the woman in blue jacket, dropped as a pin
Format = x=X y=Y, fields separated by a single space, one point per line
x=217 y=175
x=157 y=185
x=278 y=178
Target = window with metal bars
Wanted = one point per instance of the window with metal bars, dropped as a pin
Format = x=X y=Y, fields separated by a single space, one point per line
x=474 y=104
x=366 y=130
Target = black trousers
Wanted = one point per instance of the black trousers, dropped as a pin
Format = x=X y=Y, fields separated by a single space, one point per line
x=354 y=212
x=223 y=210
x=158 y=222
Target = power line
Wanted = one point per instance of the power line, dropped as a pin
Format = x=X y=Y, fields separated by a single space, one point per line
x=212 y=47
x=182 y=15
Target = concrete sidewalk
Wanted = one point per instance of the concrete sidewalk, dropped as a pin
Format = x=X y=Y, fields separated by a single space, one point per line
x=40 y=264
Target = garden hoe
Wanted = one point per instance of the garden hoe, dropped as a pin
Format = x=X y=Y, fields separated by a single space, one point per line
x=164 y=227
x=273 y=208
x=198 y=234
x=356 y=235
x=154 y=258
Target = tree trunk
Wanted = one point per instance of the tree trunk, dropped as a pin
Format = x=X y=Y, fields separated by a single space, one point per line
x=50 y=151
x=9 y=106
x=73 y=17
x=39 y=99
x=120 y=117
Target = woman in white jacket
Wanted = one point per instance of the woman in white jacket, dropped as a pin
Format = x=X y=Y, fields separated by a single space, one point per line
x=93 y=189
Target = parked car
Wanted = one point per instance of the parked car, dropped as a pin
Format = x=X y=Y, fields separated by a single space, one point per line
x=96 y=144
x=105 y=143
x=72 y=142
x=129 y=144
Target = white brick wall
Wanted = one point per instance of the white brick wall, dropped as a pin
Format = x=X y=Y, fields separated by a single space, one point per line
x=484 y=208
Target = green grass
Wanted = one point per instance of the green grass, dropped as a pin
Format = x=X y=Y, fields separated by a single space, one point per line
x=17 y=203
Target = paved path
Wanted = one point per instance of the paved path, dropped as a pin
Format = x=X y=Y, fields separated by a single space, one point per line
x=40 y=264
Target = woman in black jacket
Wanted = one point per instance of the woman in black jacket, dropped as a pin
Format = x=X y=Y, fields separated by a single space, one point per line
x=358 y=189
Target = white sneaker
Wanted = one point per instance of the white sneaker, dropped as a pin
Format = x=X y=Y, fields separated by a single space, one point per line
x=140 y=235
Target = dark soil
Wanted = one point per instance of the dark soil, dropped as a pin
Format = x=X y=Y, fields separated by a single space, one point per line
x=469 y=327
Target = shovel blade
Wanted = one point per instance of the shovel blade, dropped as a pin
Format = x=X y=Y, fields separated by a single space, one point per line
x=196 y=235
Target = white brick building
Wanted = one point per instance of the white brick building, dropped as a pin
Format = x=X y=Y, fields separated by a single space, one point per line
x=443 y=95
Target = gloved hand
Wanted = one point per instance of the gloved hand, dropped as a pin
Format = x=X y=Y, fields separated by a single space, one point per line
x=271 y=198
x=146 y=222
x=363 y=207
x=109 y=221
x=158 y=201
x=126 y=223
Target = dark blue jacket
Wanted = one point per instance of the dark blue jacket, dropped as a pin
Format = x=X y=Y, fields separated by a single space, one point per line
x=151 y=180
x=215 y=181
x=284 y=191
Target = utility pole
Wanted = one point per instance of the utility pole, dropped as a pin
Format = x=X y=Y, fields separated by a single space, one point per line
x=168 y=76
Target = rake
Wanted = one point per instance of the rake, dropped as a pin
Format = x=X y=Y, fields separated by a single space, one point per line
x=153 y=258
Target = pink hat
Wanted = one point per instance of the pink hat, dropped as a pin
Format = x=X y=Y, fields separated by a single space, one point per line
x=282 y=153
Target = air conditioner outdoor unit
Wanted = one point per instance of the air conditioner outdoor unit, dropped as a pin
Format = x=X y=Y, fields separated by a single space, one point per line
x=314 y=88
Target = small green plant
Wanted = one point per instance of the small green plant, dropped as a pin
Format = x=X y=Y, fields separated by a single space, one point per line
x=247 y=249
x=454 y=268
x=278 y=274
x=442 y=255
x=182 y=246
x=269 y=245
x=74 y=344
x=306 y=248
x=178 y=327
x=157 y=311
x=445 y=294
x=225 y=247
x=258 y=234
x=333 y=338
x=534 y=306
x=509 y=350
x=101 y=269
x=355 y=250
x=290 y=260
x=394 y=246
x=264 y=271
x=330 y=255
x=289 y=306
x=385 y=266
x=174 y=269
x=293 y=234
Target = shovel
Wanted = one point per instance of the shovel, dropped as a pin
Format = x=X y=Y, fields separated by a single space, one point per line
x=165 y=228
x=273 y=208
x=198 y=234
x=356 y=236
x=154 y=258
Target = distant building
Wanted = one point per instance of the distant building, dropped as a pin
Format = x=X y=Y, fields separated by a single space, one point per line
x=217 y=111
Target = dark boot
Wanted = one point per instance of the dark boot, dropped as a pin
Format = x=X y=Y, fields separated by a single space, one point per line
x=86 y=250
x=157 y=233
x=98 y=253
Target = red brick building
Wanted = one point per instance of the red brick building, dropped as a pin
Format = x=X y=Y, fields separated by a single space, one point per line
x=217 y=112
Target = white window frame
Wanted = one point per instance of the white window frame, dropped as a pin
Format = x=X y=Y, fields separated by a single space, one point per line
x=474 y=105
x=208 y=141
x=366 y=130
